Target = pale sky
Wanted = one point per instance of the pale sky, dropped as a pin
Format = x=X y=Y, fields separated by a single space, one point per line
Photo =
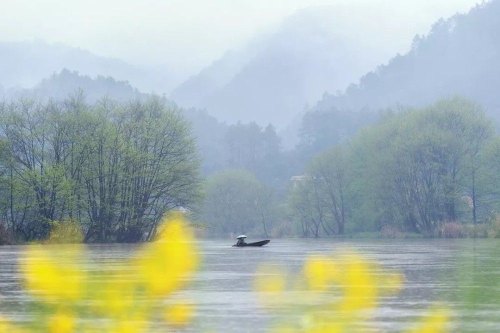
x=186 y=35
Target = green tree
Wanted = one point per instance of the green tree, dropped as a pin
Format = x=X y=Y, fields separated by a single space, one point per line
x=420 y=164
x=414 y=170
x=143 y=163
x=236 y=202
x=319 y=199
x=257 y=150
x=488 y=180
x=35 y=161
x=114 y=168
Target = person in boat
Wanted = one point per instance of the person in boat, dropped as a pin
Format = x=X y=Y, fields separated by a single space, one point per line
x=241 y=240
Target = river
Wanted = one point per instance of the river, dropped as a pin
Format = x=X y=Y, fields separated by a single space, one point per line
x=461 y=275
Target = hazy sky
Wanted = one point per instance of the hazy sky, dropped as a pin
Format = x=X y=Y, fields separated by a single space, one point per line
x=188 y=34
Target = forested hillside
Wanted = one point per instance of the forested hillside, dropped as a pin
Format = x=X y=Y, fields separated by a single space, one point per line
x=420 y=166
x=460 y=56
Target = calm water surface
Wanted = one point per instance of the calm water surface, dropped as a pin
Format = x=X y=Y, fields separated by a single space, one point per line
x=463 y=275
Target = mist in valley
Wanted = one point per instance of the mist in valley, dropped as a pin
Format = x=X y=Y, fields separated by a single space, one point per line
x=354 y=143
x=309 y=83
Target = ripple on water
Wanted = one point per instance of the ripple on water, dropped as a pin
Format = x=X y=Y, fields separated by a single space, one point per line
x=462 y=275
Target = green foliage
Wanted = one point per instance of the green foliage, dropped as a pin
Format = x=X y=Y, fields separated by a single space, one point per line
x=249 y=146
x=323 y=128
x=65 y=232
x=114 y=168
x=319 y=200
x=489 y=178
x=414 y=171
x=236 y=202
x=255 y=149
x=424 y=163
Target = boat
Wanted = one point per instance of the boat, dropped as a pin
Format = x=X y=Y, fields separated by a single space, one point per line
x=241 y=242
x=259 y=243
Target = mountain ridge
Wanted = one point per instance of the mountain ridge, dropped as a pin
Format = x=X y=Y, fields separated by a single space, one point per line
x=460 y=56
x=24 y=64
x=284 y=71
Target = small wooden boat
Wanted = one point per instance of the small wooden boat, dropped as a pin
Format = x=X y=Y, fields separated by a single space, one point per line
x=241 y=242
x=259 y=243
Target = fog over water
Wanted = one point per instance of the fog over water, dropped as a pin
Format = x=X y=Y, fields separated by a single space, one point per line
x=322 y=128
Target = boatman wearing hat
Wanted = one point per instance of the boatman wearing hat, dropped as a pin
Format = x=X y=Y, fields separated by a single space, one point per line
x=241 y=240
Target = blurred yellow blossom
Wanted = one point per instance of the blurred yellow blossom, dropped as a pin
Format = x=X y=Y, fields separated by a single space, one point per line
x=360 y=288
x=165 y=263
x=339 y=294
x=7 y=327
x=319 y=273
x=138 y=325
x=52 y=273
x=62 y=322
x=437 y=321
x=330 y=294
x=179 y=314
x=76 y=296
x=115 y=296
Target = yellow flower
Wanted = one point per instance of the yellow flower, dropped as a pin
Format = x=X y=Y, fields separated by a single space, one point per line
x=52 y=272
x=115 y=296
x=320 y=273
x=359 y=285
x=345 y=290
x=436 y=321
x=136 y=325
x=122 y=299
x=7 y=327
x=179 y=314
x=62 y=323
x=167 y=262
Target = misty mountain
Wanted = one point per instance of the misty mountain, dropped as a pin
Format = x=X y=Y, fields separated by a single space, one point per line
x=277 y=75
x=66 y=83
x=24 y=64
x=208 y=132
x=460 y=56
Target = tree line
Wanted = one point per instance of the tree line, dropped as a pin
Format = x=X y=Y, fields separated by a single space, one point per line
x=432 y=170
x=111 y=168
